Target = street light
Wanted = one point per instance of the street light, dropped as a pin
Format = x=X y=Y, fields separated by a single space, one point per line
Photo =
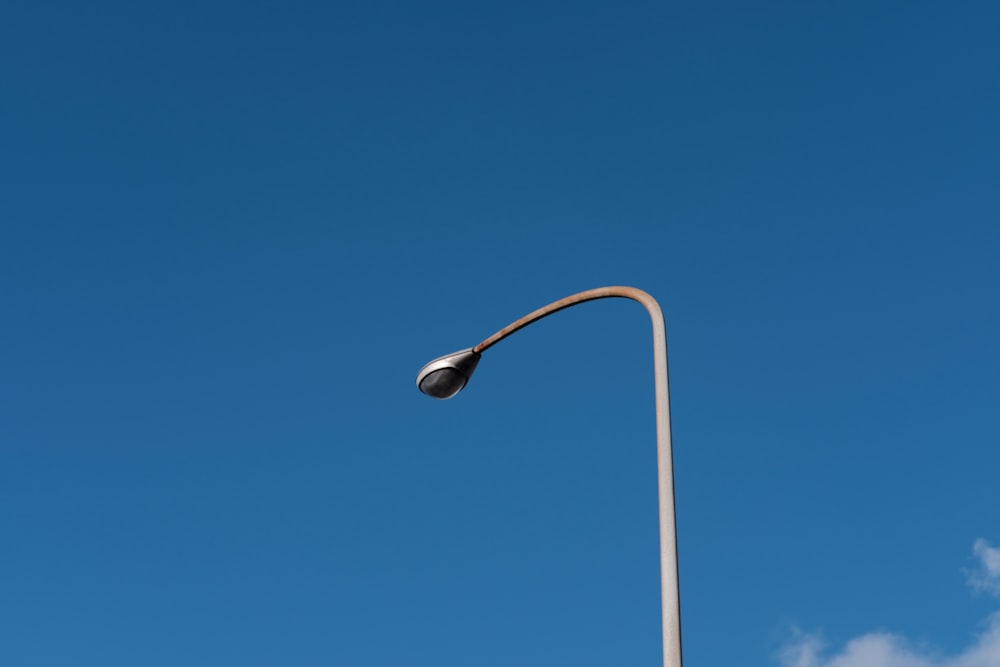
x=446 y=376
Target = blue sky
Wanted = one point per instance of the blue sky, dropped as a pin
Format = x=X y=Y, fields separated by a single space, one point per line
x=231 y=233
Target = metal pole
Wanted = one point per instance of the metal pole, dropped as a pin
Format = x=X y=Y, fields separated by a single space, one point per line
x=669 y=586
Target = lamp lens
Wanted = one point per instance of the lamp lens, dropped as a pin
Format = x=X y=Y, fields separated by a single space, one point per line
x=443 y=383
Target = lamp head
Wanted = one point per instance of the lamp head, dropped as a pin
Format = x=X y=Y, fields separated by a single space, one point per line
x=446 y=376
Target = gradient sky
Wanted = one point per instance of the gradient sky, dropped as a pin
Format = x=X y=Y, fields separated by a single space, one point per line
x=231 y=233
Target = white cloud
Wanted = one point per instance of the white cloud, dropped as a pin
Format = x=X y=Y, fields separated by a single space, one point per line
x=986 y=577
x=888 y=650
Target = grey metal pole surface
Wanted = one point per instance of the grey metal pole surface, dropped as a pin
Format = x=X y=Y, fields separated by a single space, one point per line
x=669 y=585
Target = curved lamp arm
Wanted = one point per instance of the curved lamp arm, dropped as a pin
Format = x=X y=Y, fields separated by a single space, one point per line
x=452 y=371
x=574 y=299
